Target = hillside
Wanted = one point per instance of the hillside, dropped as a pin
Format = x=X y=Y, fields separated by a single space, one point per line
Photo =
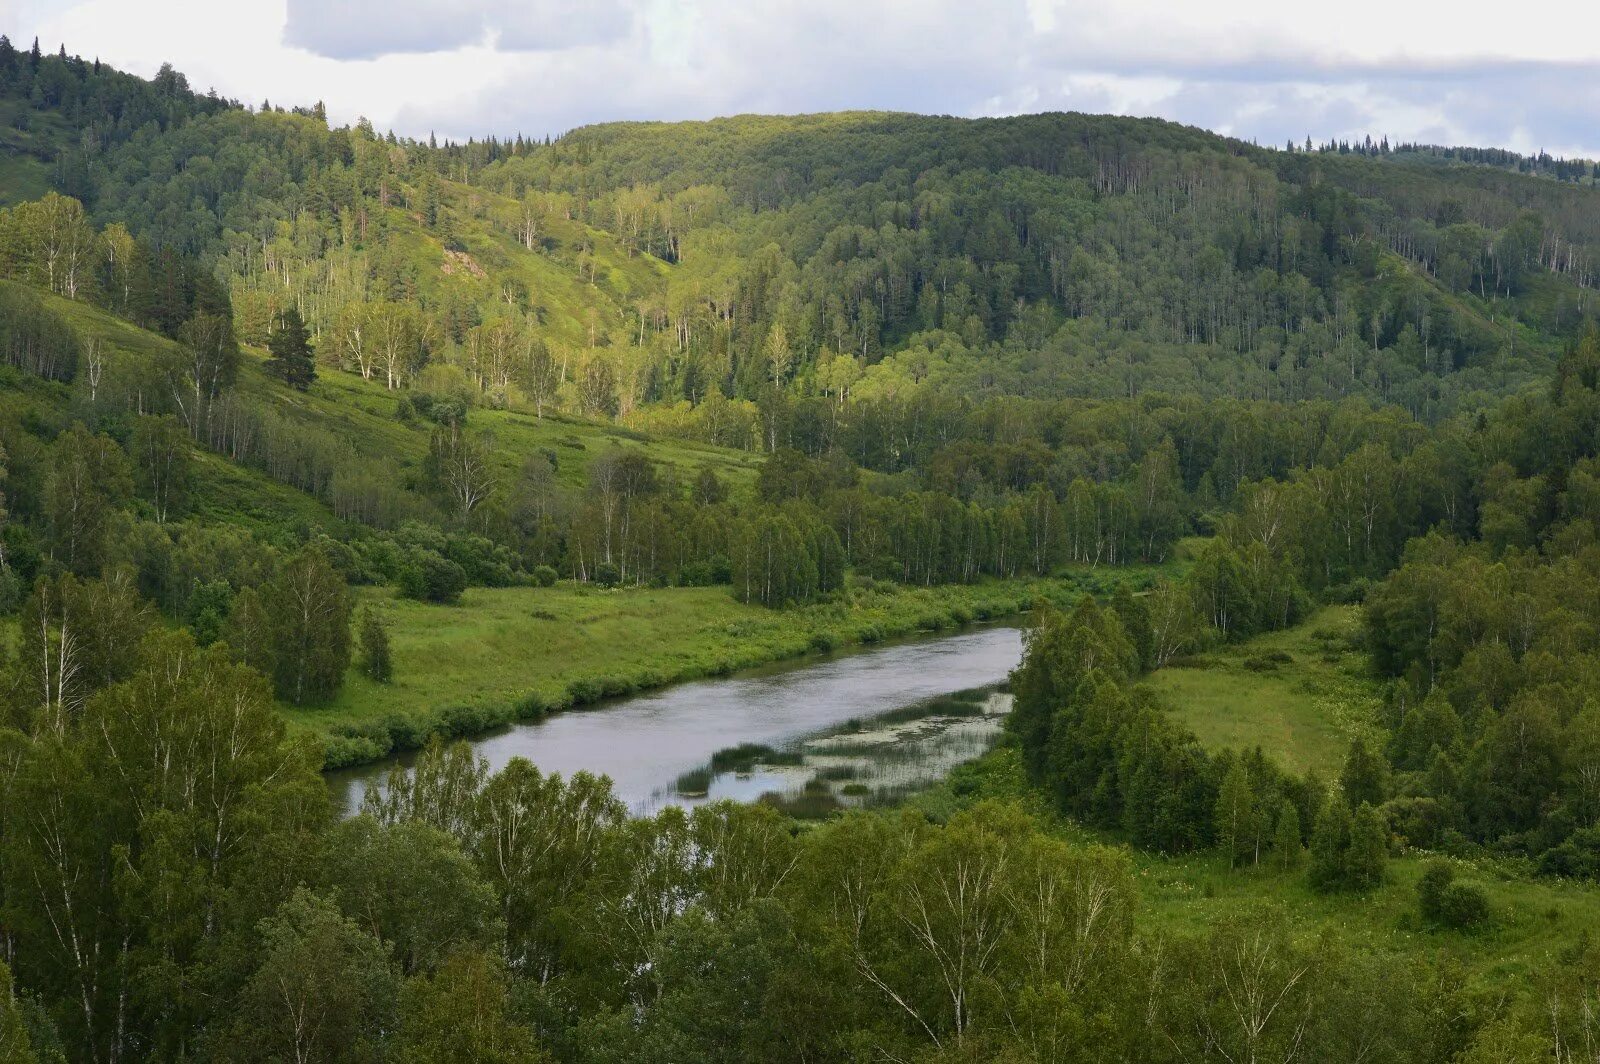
x=884 y=257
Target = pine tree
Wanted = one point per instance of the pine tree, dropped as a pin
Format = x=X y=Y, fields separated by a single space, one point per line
x=290 y=344
x=1286 y=847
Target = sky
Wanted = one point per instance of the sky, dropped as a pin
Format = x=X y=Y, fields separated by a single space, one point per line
x=1524 y=75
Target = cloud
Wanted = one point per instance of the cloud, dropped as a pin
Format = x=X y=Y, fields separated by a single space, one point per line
x=1256 y=69
x=369 y=29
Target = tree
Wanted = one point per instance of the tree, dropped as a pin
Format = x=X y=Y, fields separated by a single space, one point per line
x=322 y=991
x=205 y=366
x=409 y=885
x=307 y=614
x=88 y=480
x=1369 y=849
x=290 y=345
x=1286 y=844
x=461 y=1014
x=461 y=466
x=396 y=331
x=1330 y=841
x=161 y=457
x=1365 y=776
x=350 y=339
x=708 y=488
x=376 y=660
x=1235 y=813
x=538 y=375
x=16 y=1045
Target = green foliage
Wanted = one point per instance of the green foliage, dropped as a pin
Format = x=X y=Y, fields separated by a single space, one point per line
x=428 y=577
x=1287 y=845
x=16 y=1044
x=306 y=618
x=1445 y=902
x=34 y=339
x=1348 y=853
x=290 y=346
x=322 y=990
x=463 y=1012
x=377 y=661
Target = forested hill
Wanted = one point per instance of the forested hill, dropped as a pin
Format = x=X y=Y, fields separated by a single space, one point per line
x=802 y=262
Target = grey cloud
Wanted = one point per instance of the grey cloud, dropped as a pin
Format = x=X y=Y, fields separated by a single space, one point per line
x=368 y=29
x=702 y=58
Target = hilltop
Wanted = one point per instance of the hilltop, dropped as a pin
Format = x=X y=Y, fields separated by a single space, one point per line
x=875 y=255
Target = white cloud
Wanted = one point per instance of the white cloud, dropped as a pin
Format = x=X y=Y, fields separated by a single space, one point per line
x=1250 y=68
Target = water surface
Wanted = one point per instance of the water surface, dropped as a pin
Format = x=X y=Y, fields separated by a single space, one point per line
x=646 y=742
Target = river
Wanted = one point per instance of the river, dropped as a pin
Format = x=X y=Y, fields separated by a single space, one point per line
x=843 y=718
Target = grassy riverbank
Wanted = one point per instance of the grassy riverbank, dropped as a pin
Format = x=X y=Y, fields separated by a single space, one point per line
x=506 y=654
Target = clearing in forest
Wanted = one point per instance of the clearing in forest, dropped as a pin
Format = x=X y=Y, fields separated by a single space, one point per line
x=1300 y=694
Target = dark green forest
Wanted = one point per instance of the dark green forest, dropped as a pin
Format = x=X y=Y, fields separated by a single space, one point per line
x=261 y=376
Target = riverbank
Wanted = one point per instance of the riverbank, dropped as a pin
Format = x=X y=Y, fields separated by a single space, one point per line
x=508 y=654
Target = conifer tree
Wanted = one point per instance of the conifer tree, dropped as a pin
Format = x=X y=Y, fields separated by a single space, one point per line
x=290 y=344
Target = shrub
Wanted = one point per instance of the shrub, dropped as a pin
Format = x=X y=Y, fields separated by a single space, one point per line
x=544 y=576
x=1464 y=906
x=1444 y=902
x=429 y=577
x=1436 y=879
x=607 y=574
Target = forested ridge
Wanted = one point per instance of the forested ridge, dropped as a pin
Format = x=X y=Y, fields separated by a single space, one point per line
x=265 y=383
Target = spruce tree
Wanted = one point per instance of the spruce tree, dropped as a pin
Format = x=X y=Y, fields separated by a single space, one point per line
x=290 y=345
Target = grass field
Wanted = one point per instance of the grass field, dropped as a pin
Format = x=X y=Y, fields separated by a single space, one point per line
x=509 y=653
x=1301 y=694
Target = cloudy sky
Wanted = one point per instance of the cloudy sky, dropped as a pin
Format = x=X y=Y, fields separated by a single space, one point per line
x=1524 y=75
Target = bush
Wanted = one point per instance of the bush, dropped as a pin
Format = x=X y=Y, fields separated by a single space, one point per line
x=1464 y=906
x=544 y=576
x=607 y=574
x=1578 y=856
x=1443 y=902
x=430 y=577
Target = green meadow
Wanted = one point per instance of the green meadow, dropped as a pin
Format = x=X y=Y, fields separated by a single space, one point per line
x=503 y=654
x=1300 y=694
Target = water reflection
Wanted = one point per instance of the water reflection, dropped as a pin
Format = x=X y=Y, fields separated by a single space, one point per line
x=645 y=743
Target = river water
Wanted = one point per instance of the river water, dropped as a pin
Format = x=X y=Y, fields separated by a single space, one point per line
x=829 y=714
